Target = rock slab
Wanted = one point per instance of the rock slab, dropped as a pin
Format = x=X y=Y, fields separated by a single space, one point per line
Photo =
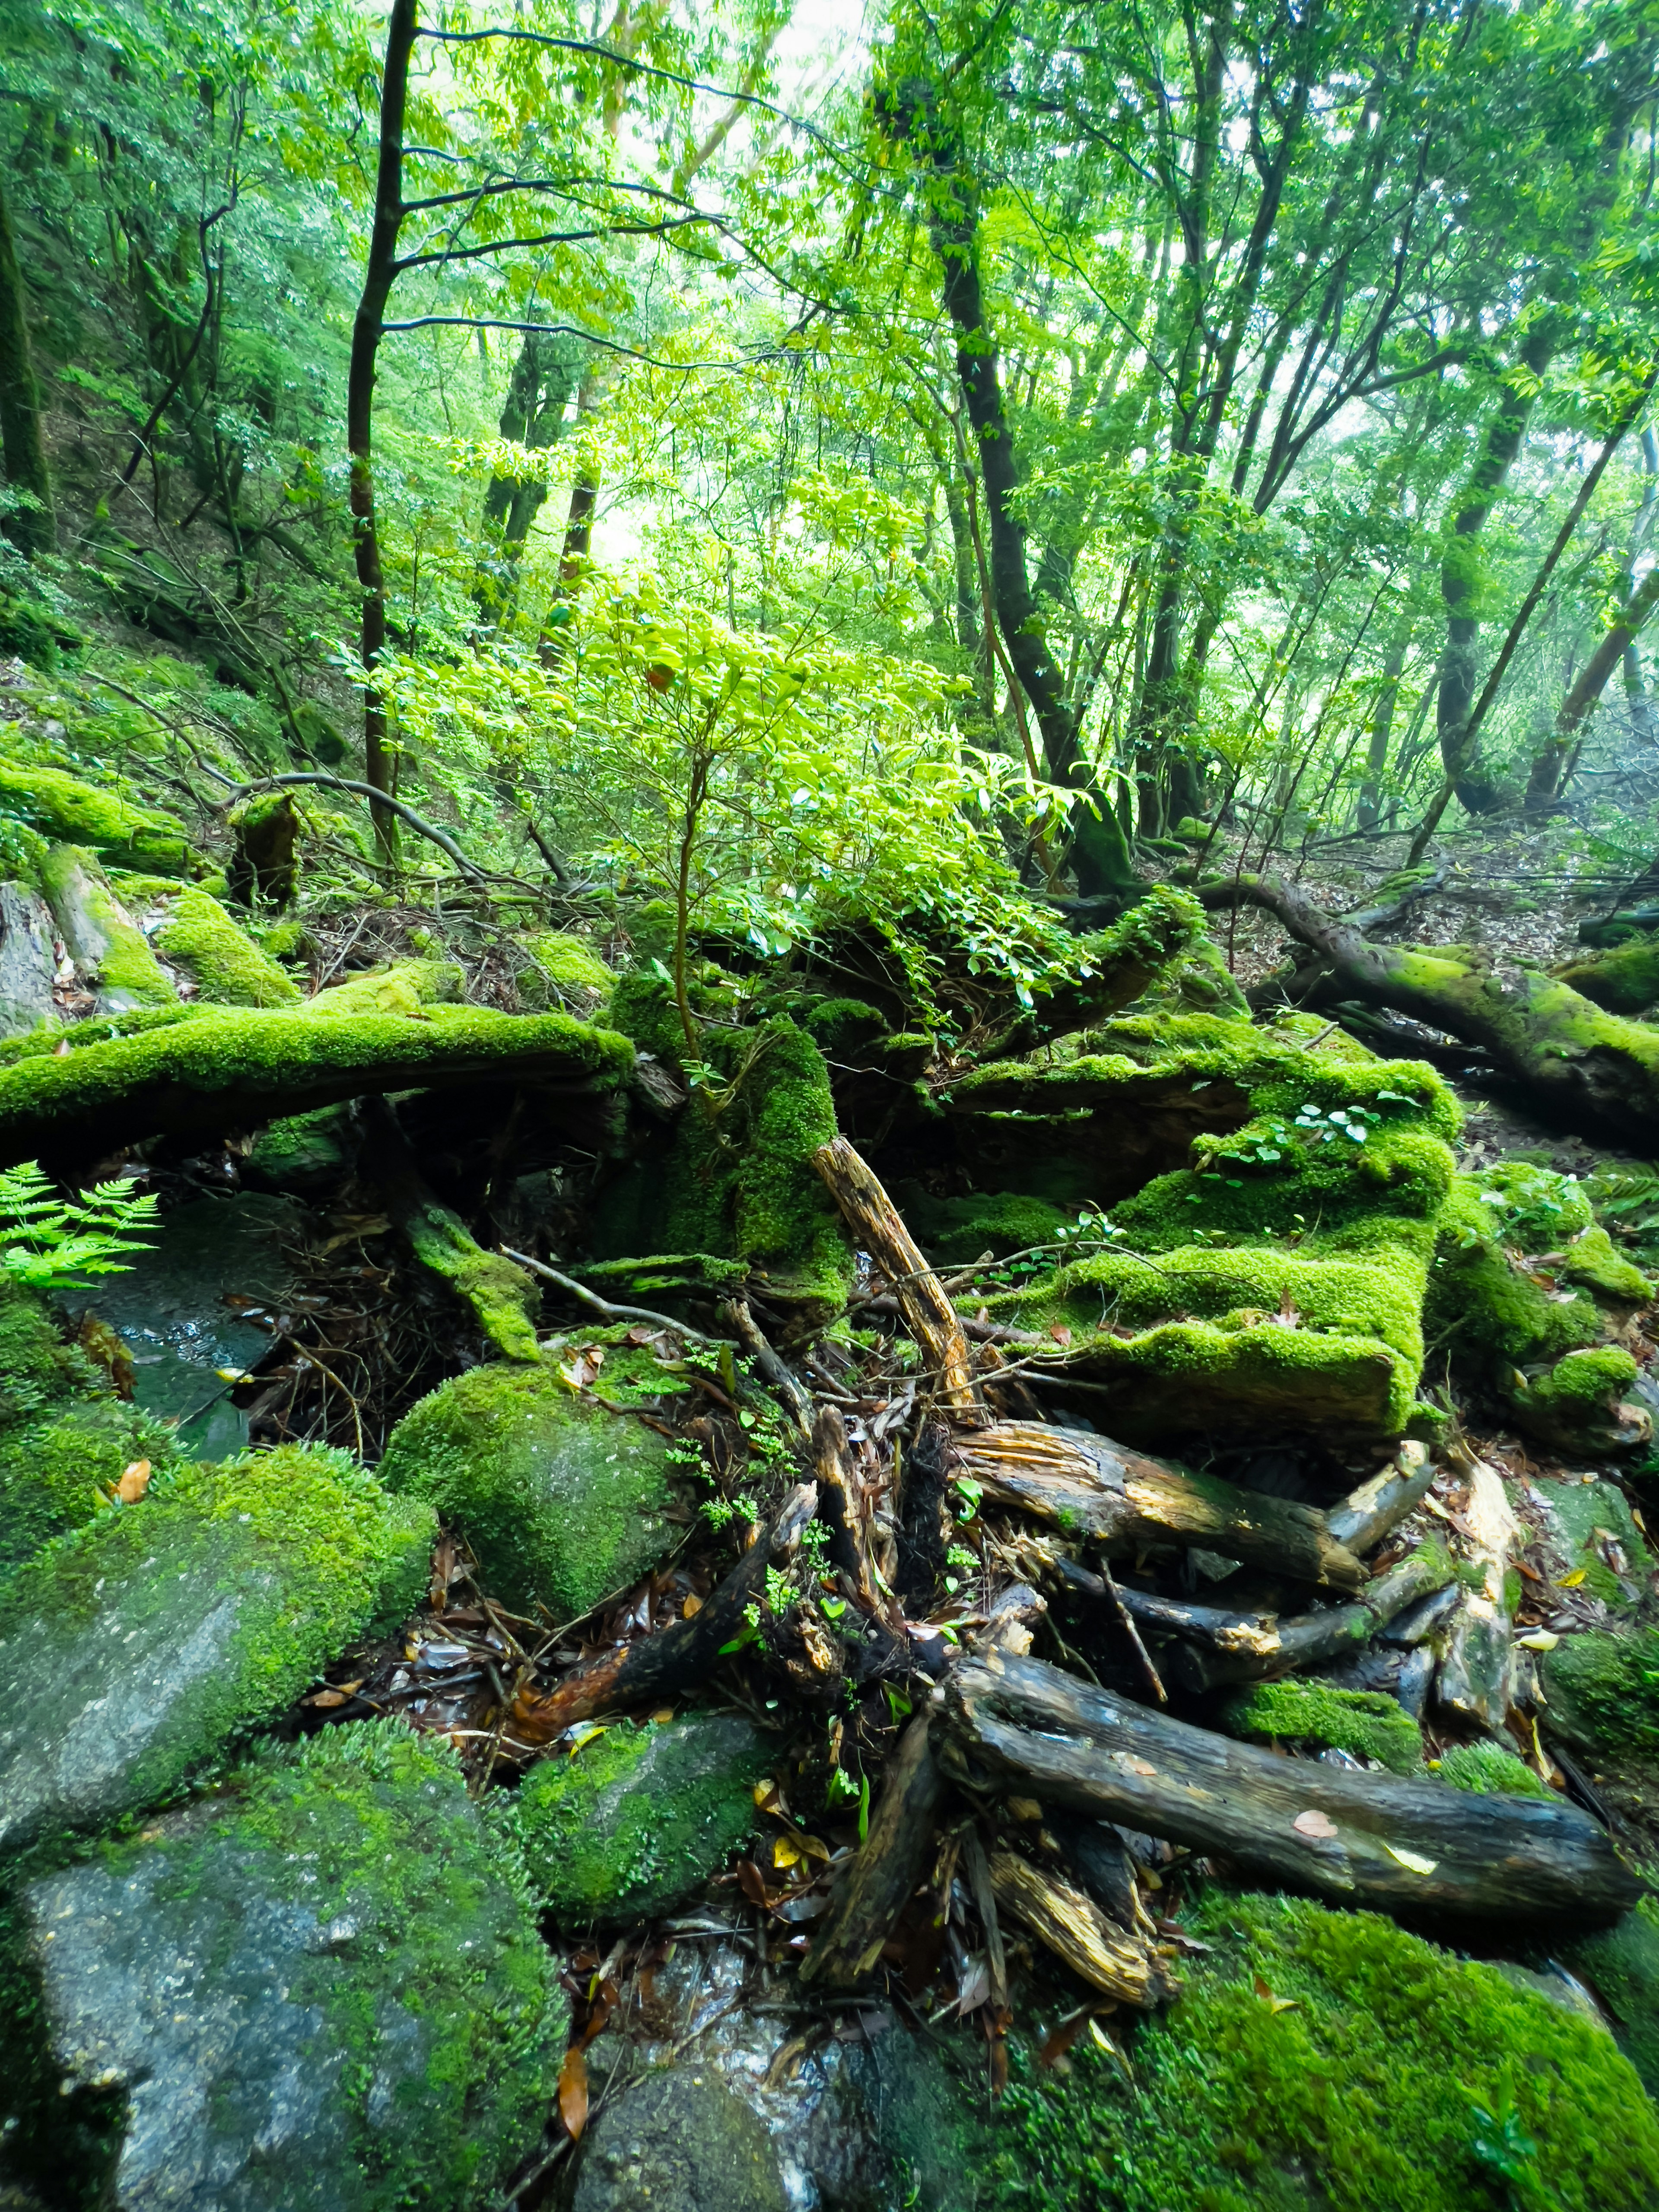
x=679 y=2142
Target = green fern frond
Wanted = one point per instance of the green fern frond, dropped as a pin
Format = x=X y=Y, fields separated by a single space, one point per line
x=50 y=1242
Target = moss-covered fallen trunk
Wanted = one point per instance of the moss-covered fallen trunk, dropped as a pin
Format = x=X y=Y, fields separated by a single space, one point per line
x=201 y=1072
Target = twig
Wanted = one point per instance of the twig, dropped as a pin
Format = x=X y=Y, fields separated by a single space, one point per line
x=604 y=1305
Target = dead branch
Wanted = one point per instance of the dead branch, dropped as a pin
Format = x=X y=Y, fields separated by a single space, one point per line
x=881 y=1879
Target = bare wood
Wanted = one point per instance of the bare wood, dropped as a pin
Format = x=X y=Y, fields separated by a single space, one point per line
x=881 y=1881
x=1473 y=1680
x=1366 y=1514
x=1076 y=1930
x=1093 y=1486
x=985 y=1903
x=838 y=1507
x=675 y=1657
x=1414 y=1848
x=878 y=1229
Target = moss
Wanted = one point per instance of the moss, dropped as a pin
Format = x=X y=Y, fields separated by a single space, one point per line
x=1362 y=1722
x=305 y=1152
x=1580 y=1516
x=1576 y=1404
x=565 y=970
x=642 y=1007
x=1622 y=1963
x=1625 y=979
x=1603 y=1692
x=1488 y=1770
x=243 y=1063
x=502 y=1299
x=52 y=1470
x=636 y=1820
x=38 y=1370
x=954 y=1232
x=563 y=1502
x=101 y=937
x=1357 y=2083
x=68 y=811
x=843 y=1027
x=405 y=987
x=1593 y=1260
x=198 y=935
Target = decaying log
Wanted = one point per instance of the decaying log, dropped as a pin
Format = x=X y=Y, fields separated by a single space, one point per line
x=1219 y=1647
x=675 y=1657
x=1093 y=1486
x=838 y=1506
x=878 y=1229
x=1074 y=1929
x=1472 y=1679
x=1100 y=1859
x=881 y=1879
x=1406 y=1847
x=1365 y=1516
x=787 y=1385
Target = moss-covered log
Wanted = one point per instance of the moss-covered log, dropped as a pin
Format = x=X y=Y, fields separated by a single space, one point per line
x=1408 y=1847
x=202 y=1071
x=1588 y=1069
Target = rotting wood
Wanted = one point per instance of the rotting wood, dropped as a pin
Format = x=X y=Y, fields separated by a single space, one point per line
x=788 y=1386
x=978 y=1864
x=1472 y=1677
x=1074 y=1929
x=881 y=1879
x=1088 y=1485
x=675 y=1657
x=1367 y=1515
x=838 y=1503
x=878 y=1229
x=1416 y=1849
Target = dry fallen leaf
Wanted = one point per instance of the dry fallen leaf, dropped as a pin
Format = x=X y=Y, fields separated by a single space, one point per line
x=326 y=1700
x=692 y=1607
x=1061 y=1333
x=1316 y=1825
x=573 y=2093
x=135 y=1481
x=1278 y=2004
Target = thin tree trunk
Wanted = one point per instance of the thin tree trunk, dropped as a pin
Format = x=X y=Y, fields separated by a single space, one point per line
x=378 y=276
x=32 y=528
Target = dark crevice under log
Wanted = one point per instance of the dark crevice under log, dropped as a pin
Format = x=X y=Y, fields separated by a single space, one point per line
x=1419 y=1850
x=880 y=1881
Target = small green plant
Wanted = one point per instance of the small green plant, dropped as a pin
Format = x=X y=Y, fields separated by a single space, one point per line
x=53 y=1243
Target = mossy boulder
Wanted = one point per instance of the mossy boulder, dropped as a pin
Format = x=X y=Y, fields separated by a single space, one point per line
x=1590 y=1530
x=200 y=939
x=306 y=1152
x=321 y=1990
x=38 y=1368
x=405 y=987
x=1623 y=1963
x=67 y=811
x=1603 y=1692
x=1328 y=2059
x=637 y=1820
x=135 y=1650
x=561 y=970
x=54 y=1472
x=111 y=954
x=678 y=2138
x=561 y=1501
x=1625 y=980
x=1364 y=1722
x=1579 y=1406
x=954 y=1232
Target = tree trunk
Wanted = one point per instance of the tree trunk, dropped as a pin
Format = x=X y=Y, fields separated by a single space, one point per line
x=532 y=415
x=378 y=276
x=32 y=528
x=1416 y=1849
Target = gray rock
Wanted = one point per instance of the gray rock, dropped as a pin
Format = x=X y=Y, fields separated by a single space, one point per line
x=679 y=2142
x=134 y=1651
x=28 y=964
x=902 y=2128
x=323 y=1991
x=111 y=953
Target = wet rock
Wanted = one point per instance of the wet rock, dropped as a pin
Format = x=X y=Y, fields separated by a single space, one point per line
x=1590 y=1530
x=561 y=1500
x=307 y=1152
x=637 y=1821
x=170 y=1308
x=135 y=1650
x=27 y=961
x=900 y=2128
x=679 y=2141
x=321 y=1992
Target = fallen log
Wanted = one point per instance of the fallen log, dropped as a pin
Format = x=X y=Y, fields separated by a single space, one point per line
x=206 y=1071
x=838 y=1505
x=1094 y=1488
x=1219 y=1647
x=878 y=1229
x=1419 y=1849
x=1367 y=1515
x=880 y=1881
x=1073 y=1926
x=675 y=1658
x=1472 y=1679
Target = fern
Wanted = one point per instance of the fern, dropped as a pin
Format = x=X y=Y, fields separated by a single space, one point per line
x=53 y=1243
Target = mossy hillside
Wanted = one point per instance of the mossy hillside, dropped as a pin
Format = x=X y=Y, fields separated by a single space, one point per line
x=1359 y=2082
x=561 y=1501
x=198 y=937
x=407 y=987
x=561 y=970
x=1488 y=1770
x=1361 y=1721
x=69 y=811
x=398 y=2023
x=638 y=1819
x=1603 y=1692
x=239 y=1062
x=52 y=1471
x=135 y=1650
x=101 y=937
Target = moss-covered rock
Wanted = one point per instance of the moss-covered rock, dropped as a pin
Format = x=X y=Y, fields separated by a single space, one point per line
x=134 y=1651
x=111 y=954
x=66 y=810
x=502 y=1300
x=954 y=1232
x=321 y=1992
x=561 y=1501
x=52 y=1471
x=1579 y=1406
x=1592 y=1259
x=1488 y=1770
x=637 y=1820
x=1623 y=1963
x=679 y=2138
x=562 y=970
x=1328 y=2059
x=305 y=1152
x=1603 y=1692
x=1590 y=1530
x=38 y=1368
x=1362 y=1722
x=199 y=939
x=405 y=987
x=1625 y=980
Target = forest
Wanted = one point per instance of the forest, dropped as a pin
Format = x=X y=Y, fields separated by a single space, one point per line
x=828 y=1106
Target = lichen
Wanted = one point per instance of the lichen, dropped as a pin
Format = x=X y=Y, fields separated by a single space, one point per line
x=1329 y=2058
x=1488 y=1770
x=1362 y=1722
x=561 y=1501
x=637 y=1818
x=198 y=936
